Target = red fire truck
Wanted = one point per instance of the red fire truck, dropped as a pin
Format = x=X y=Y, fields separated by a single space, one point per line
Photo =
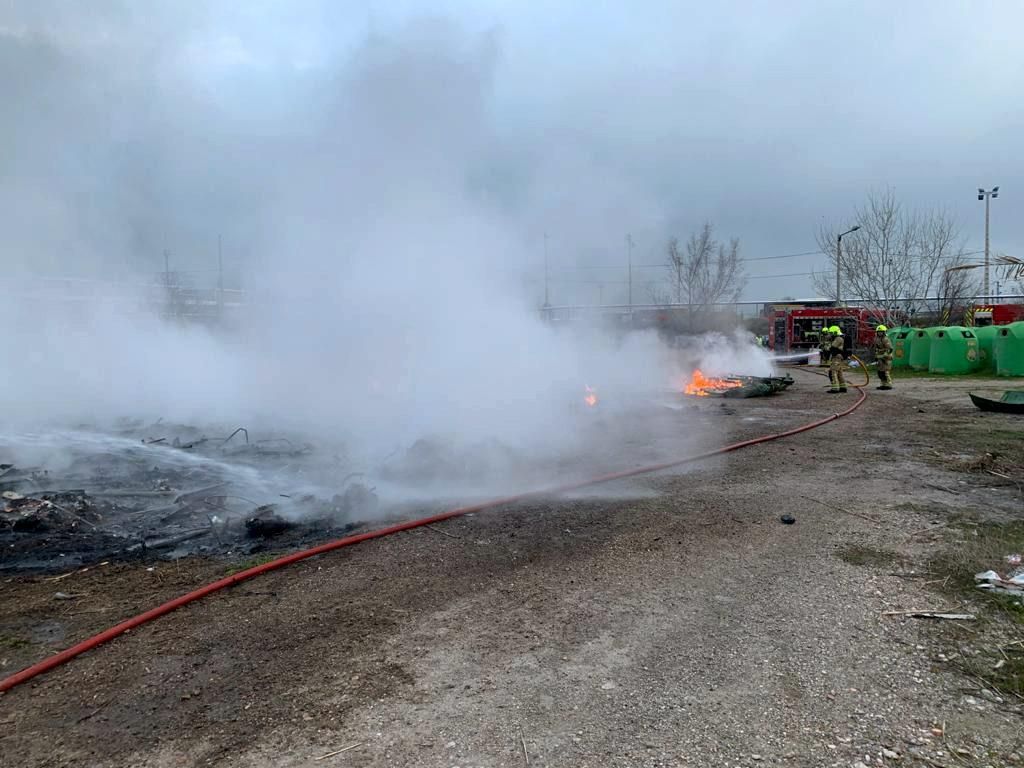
x=797 y=330
x=997 y=314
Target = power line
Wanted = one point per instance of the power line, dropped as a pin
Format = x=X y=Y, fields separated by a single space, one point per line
x=666 y=265
x=791 y=274
x=808 y=274
x=785 y=256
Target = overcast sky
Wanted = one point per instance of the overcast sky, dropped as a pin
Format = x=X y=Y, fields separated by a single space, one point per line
x=138 y=126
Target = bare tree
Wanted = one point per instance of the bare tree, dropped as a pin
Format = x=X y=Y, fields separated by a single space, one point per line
x=705 y=271
x=954 y=292
x=897 y=261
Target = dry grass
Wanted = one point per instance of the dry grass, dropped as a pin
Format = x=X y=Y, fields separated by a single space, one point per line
x=999 y=661
x=856 y=554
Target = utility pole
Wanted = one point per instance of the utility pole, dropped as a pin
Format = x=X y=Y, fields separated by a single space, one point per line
x=987 y=195
x=839 y=260
x=168 y=302
x=220 y=276
x=629 y=251
x=547 y=303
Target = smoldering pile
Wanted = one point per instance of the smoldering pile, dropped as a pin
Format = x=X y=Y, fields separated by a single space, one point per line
x=167 y=491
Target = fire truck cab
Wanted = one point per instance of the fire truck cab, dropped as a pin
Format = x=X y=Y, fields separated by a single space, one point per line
x=997 y=314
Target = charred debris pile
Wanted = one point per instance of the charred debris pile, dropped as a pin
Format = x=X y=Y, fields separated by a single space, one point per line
x=164 y=491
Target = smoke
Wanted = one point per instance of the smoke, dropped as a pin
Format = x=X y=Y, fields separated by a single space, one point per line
x=384 y=269
x=718 y=354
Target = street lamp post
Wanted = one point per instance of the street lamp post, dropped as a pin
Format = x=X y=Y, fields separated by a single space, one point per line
x=629 y=256
x=987 y=195
x=839 y=258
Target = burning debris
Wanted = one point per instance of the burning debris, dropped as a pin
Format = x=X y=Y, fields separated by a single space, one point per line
x=590 y=398
x=700 y=385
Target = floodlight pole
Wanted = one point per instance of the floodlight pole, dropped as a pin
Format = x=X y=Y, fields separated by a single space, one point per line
x=987 y=195
x=839 y=259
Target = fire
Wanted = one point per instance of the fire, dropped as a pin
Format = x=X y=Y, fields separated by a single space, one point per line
x=702 y=386
x=591 y=397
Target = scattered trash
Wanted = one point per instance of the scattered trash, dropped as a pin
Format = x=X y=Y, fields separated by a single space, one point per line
x=200 y=493
x=926 y=614
x=266 y=522
x=990 y=581
x=787 y=519
x=240 y=429
x=25 y=514
x=166 y=543
x=358 y=499
x=1013 y=559
x=64 y=596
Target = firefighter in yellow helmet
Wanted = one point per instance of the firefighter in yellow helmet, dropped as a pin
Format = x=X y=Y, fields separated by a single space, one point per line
x=837 y=354
x=824 y=344
x=883 y=356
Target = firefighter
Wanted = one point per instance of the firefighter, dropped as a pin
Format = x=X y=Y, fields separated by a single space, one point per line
x=883 y=357
x=824 y=344
x=837 y=354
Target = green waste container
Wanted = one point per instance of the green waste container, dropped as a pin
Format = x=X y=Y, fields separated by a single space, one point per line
x=986 y=339
x=901 y=346
x=1009 y=349
x=921 y=348
x=954 y=350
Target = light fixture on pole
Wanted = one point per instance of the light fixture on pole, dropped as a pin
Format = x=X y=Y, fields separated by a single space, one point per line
x=839 y=258
x=987 y=195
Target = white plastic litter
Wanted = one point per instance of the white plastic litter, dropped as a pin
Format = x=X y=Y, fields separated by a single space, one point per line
x=991 y=581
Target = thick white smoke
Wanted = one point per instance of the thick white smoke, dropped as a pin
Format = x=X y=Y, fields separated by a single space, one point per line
x=384 y=291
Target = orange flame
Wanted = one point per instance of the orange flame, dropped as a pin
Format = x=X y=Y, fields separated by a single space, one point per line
x=702 y=386
x=591 y=397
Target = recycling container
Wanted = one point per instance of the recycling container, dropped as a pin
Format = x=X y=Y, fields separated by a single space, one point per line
x=954 y=350
x=901 y=346
x=986 y=339
x=921 y=348
x=1009 y=349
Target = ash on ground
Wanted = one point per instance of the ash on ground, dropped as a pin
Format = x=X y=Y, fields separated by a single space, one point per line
x=164 y=491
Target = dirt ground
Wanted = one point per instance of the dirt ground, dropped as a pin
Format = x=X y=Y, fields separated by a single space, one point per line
x=676 y=622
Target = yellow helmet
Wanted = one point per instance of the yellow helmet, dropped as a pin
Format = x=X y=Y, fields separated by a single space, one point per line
x=881 y=328
x=836 y=330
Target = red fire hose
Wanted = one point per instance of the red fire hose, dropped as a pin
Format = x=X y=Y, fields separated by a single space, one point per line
x=55 y=661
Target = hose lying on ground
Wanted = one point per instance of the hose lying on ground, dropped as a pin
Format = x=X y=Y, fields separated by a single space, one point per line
x=109 y=634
